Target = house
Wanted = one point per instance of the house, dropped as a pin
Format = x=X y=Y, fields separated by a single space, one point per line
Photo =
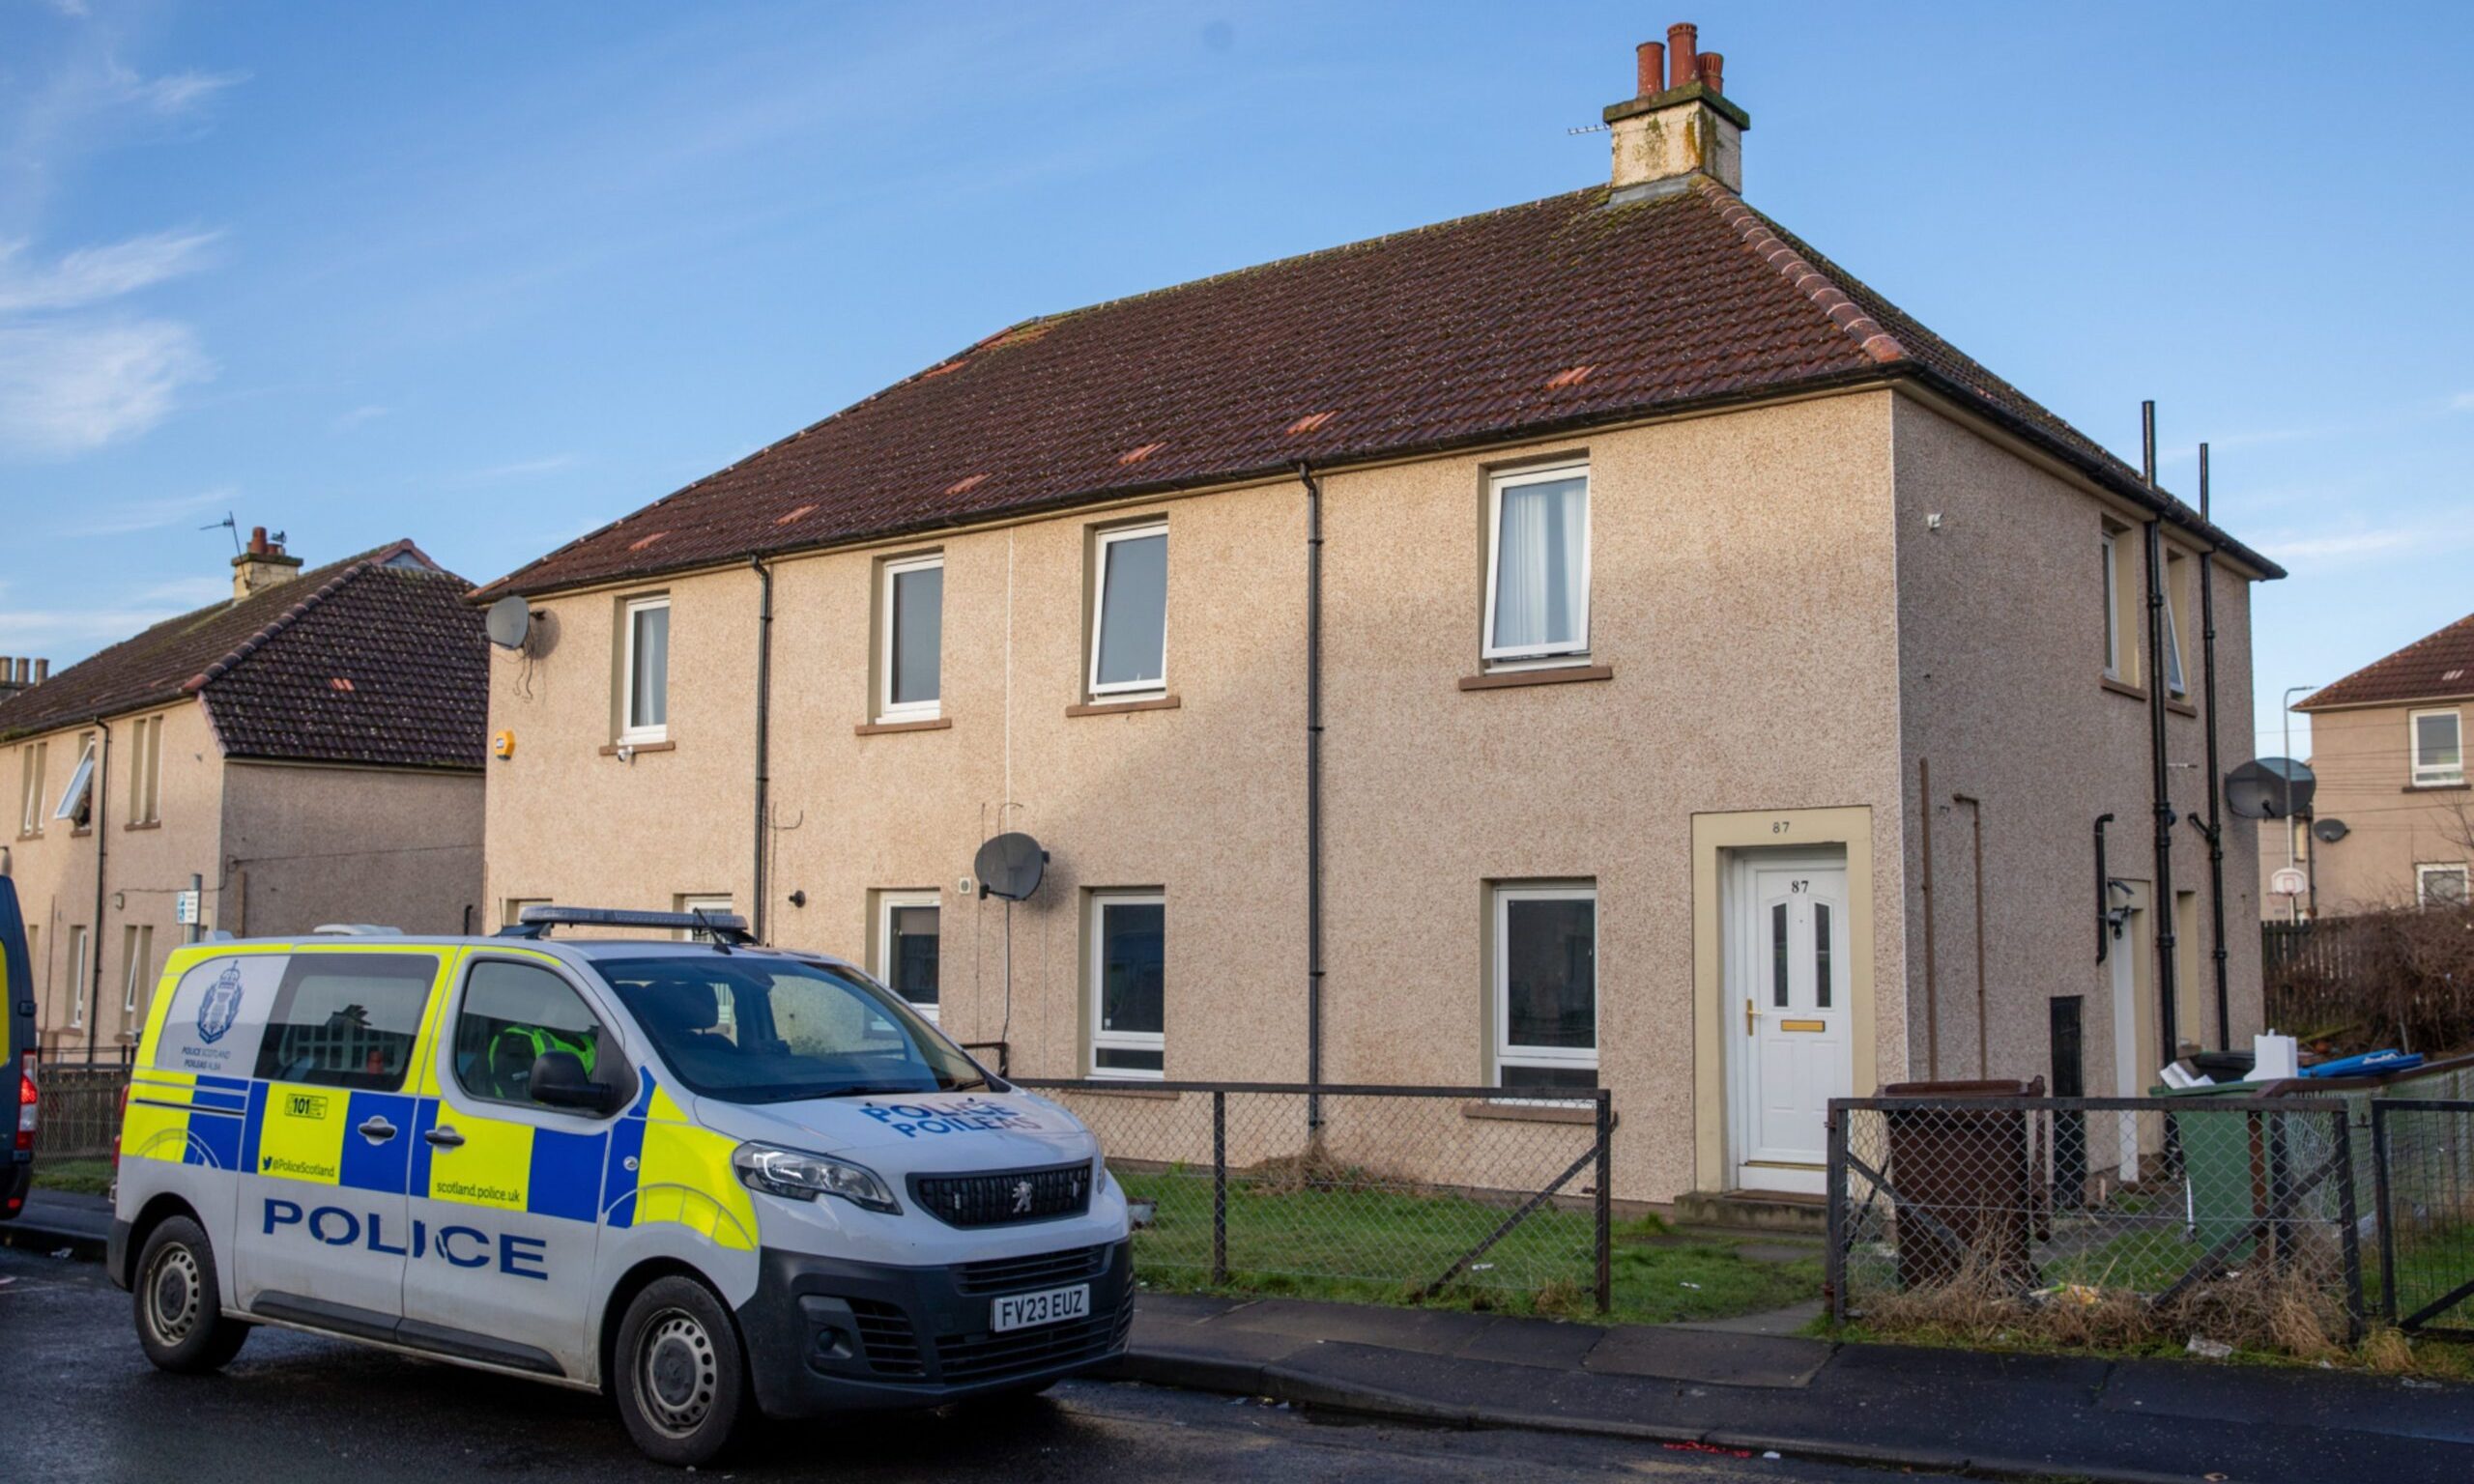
x=1598 y=641
x=2388 y=745
x=307 y=751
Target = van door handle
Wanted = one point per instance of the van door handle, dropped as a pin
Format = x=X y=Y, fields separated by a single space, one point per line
x=443 y=1136
x=376 y=1130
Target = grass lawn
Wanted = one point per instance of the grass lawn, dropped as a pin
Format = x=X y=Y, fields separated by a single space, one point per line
x=78 y=1177
x=1381 y=1246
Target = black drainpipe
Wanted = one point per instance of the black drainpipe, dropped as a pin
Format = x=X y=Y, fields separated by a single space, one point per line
x=2215 y=826
x=2156 y=683
x=2104 y=886
x=763 y=730
x=1313 y=792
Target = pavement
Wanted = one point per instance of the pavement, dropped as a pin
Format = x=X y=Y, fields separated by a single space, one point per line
x=1749 y=1386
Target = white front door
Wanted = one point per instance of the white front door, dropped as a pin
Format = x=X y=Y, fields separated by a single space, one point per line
x=1788 y=1017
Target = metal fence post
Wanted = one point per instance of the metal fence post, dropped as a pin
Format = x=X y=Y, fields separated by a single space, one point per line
x=1834 y=1182
x=2385 y=1211
x=1605 y=1208
x=1219 y=1190
x=2350 y=1239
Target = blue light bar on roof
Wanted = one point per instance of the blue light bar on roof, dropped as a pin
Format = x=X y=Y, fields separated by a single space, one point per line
x=720 y=924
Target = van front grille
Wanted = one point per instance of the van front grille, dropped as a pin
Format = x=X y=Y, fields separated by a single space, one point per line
x=885 y=1334
x=1007 y=1197
x=1014 y=1274
x=974 y=1357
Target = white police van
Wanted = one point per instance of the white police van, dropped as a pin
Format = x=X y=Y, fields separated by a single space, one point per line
x=710 y=1177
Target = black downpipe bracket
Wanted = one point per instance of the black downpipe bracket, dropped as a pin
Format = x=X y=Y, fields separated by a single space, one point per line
x=1313 y=792
x=2164 y=903
x=2215 y=827
x=764 y=732
x=2104 y=899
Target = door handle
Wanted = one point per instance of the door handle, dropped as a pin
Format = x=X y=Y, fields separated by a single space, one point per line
x=443 y=1136
x=376 y=1130
x=1750 y=1015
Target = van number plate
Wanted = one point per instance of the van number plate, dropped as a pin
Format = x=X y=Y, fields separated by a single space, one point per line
x=1023 y=1311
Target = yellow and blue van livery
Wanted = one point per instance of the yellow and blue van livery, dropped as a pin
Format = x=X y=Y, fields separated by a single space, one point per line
x=709 y=1175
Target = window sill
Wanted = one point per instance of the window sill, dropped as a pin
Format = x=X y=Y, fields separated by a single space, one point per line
x=1530 y=1112
x=143 y=824
x=30 y=833
x=2181 y=707
x=1558 y=674
x=81 y=834
x=2122 y=688
x=1112 y=707
x=1132 y=1089
x=2457 y=787
x=610 y=748
x=880 y=728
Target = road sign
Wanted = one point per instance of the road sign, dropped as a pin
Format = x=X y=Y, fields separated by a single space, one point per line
x=2288 y=881
x=184 y=909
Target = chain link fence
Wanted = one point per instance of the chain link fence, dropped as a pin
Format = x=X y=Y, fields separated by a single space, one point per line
x=80 y=1108
x=2423 y=1154
x=1387 y=1193
x=2099 y=1220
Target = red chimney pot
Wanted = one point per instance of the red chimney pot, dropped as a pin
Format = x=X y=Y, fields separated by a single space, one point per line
x=258 y=540
x=1712 y=68
x=1681 y=48
x=1652 y=59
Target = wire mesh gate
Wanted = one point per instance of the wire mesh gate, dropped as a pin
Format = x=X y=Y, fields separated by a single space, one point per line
x=1352 y=1190
x=2423 y=1163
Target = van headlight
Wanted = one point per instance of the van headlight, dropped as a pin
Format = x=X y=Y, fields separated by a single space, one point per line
x=800 y=1176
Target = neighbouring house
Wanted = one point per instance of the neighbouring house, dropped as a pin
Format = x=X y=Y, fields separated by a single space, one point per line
x=2388 y=745
x=307 y=751
x=1597 y=642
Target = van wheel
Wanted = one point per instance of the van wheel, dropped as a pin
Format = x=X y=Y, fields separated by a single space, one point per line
x=681 y=1381
x=179 y=1301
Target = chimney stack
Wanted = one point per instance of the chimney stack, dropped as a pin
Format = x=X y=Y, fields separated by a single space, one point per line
x=17 y=673
x=261 y=566
x=1667 y=134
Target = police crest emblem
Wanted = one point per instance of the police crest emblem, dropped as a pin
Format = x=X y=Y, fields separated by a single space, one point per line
x=221 y=1007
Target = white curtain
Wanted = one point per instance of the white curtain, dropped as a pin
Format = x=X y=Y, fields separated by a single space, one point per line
x=1538 y=585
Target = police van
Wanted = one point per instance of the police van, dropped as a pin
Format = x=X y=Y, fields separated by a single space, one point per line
x=709 y=1177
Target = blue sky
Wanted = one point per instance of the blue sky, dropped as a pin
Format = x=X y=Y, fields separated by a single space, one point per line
x=489 y=276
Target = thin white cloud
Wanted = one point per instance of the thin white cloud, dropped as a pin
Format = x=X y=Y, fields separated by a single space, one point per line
x=359 y=415
x=152 y=514
x=177 y=93
x=521 y=468
x=92 y=275
x=66 y=388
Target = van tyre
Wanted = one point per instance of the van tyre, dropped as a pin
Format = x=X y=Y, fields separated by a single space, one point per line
x=681 y=1375
x=179 y=1299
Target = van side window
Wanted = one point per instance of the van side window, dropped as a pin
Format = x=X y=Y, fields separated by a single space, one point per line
x=347 y=1020
x=512 y=1015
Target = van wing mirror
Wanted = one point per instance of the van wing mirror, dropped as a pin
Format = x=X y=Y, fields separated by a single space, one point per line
x=559 y=1081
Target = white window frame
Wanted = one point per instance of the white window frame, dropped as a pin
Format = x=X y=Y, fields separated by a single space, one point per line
x=33 y=757
x=2423 y=874
x=1556 y=1058
x=1496 y=484
x=716 y=902
x=145 y=772
x=2436 y=775
x=1096 y=982
x=81 y=780
x=886 y=902
x=137 y=943
x=887 y=710
x=2177 y=676
x=629 y=733
x=81 y=960
x=1100 y=556
x=2113 y=604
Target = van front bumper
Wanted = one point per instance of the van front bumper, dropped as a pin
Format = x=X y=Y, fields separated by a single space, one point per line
x=826 y=1335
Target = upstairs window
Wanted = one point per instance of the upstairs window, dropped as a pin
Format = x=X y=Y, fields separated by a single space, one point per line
x=77 y=801
x=913 y=624
x=145 y=770
x=644 y=714
x=30 y=764
x=1538 y=564
x=2111 y=544
x=2175 y=684
x=1130 y=611
x=2440 y=747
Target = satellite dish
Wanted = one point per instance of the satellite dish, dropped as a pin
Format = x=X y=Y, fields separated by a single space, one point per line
x=510 y=619
x=2270 y=788
x=1010 y=865
x=2330 y=831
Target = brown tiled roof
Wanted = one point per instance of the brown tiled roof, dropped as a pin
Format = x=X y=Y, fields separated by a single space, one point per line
x=375 y=659
x=1518 y=323
x=2432 y=668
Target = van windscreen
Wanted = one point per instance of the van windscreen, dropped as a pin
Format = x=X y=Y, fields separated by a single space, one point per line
x=749 y=1029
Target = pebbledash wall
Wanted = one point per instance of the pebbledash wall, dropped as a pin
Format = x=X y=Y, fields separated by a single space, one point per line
x=1781 y=638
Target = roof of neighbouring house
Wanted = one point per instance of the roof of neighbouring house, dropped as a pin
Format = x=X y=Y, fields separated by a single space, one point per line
x=2432 y=668
x=373 y=659
x=1561 y=314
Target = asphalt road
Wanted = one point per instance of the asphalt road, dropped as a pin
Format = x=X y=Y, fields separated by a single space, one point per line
x=78 y=1402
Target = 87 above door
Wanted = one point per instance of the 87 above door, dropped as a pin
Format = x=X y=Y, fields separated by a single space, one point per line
x=1792 y=984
